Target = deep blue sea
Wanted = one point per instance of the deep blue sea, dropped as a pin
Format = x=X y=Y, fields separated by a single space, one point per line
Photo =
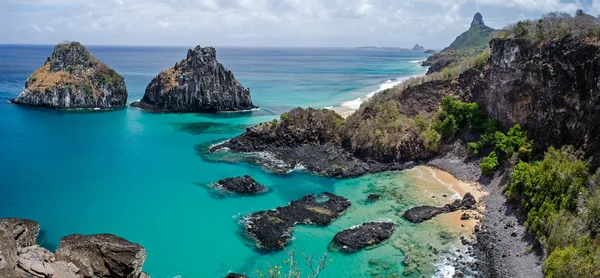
x=138 y=175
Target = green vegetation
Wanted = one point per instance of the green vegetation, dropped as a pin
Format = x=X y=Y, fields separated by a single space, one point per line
x=476 y=38
x=456 y=115
x=554 y=25
x=489 y=164
x=87 y=89
x=562 y=201
x=284 y=117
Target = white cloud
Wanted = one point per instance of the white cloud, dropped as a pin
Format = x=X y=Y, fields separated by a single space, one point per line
x=433 y=23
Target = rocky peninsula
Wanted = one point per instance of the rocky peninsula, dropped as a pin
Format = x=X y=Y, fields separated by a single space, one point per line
x=198 y=83
x=72 y=78
x=77 y=256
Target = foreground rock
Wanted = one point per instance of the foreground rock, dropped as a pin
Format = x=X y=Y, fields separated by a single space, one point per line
x=77 y=257
x=103 y=255
x=241 y=185
x=198 y=83
x=359 y=237
x=72 y=78
x=24 y=231
x=272 y=229
x=423 y=213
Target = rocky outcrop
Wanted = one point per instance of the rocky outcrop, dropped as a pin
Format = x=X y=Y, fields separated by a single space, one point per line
x=551 y=89
x=272 y=229
x=423 y=213
x=235 y=275
x=199 y=83
x=77 y=257
x=241 y=185
x=419 y=48
x=429 y=51
x=24 y=231
x=103 y=255
x=72 y=78
x=365 y=235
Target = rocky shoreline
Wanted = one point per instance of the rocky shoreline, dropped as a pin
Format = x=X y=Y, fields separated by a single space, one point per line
x=502 y=246
x=77 y=256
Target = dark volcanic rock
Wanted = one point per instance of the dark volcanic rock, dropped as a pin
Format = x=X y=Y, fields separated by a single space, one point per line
x=72 y=78
x=235 y=275
x=103 y=255
x=198 y=83
x=272 y=229
x=373 y=197
x=423 y=213
x=242 y=185
x=24 y=231
x=367 y=234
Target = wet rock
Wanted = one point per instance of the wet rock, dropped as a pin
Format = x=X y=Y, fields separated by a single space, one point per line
x=373 y=197
x=24 y=231
x=8 y=251
x=423 y=213
x=241 y=185
x=102 y=255
x=272 y=229
x=198 y=83
x=359 y=237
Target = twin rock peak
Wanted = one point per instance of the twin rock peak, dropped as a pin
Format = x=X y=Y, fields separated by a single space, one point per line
x=72 y=78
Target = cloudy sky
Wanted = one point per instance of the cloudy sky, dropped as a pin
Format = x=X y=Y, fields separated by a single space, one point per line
x=432 y=23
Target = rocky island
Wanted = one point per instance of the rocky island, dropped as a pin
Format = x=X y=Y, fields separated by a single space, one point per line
x=198 y=83
x=72 y=78
x=272 y=229
x=362 y=236
x=78 y=256
x=242 y=185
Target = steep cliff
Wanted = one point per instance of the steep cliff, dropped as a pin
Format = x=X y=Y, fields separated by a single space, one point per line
x=552 y=89
x=198 y=83
x=72 y=78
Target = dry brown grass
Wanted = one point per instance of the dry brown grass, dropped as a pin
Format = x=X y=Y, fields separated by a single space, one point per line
x=43 y=78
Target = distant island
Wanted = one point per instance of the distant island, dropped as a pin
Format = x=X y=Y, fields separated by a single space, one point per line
x=416 y=48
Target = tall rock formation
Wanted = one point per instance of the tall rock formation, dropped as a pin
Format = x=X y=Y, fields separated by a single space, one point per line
x=72 y=78
x=198 y=83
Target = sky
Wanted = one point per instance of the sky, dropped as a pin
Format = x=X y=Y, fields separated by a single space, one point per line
x=328 y=23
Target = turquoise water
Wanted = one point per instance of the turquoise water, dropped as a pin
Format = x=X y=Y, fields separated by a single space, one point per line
x=137 y=174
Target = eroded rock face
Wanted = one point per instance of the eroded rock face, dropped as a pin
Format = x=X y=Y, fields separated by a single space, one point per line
x=423 y=213
x=272 y=229
x=198 y=83
x=241 y=185
x=359 y=237
x=24 y=231
x=552 y=90
x=72 y=78
x=102 y=255
x=8 y=251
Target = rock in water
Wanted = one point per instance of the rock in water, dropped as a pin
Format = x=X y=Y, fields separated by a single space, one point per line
x=272 y=229
x=367 y=234
x=235 y=275
x=423 y=213
x=103 y=255
x=72 y=78
x=242 y=185
x=24 y=231
x=198 y=83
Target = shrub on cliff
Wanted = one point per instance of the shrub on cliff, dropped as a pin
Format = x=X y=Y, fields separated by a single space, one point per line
x=489 y=164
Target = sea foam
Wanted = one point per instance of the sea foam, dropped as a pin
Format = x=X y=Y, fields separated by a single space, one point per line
x=388 y=84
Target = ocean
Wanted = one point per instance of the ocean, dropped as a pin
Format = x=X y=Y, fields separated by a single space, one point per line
x=139 y=175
